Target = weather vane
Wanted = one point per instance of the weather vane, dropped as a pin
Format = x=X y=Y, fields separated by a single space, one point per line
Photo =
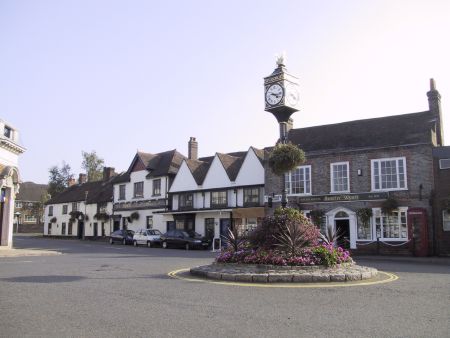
x=281 y=58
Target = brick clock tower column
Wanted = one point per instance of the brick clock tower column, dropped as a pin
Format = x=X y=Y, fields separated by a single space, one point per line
x=281 y=97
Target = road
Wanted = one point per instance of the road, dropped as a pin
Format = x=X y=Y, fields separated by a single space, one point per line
x=99 y=290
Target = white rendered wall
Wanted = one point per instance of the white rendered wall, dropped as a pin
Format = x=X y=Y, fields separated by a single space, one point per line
x=251 y=172
x=184 y=181
x=216 y=176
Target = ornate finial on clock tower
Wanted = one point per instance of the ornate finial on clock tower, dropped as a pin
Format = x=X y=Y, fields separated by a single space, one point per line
x=281 y=58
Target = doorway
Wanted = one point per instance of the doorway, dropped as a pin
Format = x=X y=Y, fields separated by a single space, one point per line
x=225 y=224
x=342 y=227
x=80 y=229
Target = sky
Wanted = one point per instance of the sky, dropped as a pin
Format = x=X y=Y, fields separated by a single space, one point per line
x=120 y=76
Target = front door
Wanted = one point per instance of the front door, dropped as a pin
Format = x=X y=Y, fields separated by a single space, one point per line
x=342 y=227
x=80 y=229
x=95 y=229
x=225 y=224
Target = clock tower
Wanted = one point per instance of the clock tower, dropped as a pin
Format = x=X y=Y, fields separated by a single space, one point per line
x=281 y=95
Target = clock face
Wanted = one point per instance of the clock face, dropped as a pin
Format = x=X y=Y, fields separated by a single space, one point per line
x=274 y=94
x=292 y=95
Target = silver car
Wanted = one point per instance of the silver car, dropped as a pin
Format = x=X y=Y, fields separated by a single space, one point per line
x=149 y=237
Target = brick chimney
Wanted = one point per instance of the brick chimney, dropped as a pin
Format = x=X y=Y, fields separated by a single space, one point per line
x=82 y=178
x=193 y=149
x=434 y=104
x=71 y=182
x=108 y=172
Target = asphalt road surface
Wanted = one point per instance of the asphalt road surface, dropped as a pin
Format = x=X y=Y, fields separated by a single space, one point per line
x=99 y=290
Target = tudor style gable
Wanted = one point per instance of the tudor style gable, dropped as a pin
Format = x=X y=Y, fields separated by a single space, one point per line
x=216 y=176
x=251 y=171
x=184 y=180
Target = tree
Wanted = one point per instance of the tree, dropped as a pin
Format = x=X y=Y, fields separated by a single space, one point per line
x=59 y=179
x=93 y=165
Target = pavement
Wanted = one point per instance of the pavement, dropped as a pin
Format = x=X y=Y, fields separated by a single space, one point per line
x=12 y=252
x=439 y=260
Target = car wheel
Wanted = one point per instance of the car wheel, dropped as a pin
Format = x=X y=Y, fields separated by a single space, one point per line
x=149 y=244
x=124 y=241
x=134 y=243
x=187 y=246
x=111 y=241
x=164 y=245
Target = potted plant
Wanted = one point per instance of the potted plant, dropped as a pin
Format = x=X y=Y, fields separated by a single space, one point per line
x=285 y=157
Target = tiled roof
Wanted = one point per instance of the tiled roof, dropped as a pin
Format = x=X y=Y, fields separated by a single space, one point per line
x=160 y=164
x=232 y=162
x=92 y=192
x=380 y=132
x=199 y=168
x=165 y=163
x=30 y=191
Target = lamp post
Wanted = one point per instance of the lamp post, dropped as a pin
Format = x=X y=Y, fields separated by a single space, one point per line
x=281 y=97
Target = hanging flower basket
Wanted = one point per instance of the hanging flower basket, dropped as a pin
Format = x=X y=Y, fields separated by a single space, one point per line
x=53 y=220
x=134 y=215
x=364 y=214
x=76 y=215
x=101 y=216
x=285 y=157
x=389 y=205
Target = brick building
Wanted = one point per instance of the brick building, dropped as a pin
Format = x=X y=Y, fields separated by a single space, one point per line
x=381 y=167
x=29 y=207
x=441 y=199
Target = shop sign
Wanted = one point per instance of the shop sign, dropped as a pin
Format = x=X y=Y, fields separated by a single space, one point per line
x=342 y=197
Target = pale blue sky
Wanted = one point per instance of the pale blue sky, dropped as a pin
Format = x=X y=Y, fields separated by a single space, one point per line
x=117 y=76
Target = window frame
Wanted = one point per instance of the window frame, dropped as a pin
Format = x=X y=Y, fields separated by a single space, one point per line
x=444 y=228
x=138 y=193
x=378 y=214
x=65 y=209
x=76 y=206
x=379 y=160
x=217 y=204
x=288 y=180
x=156 y=189
x=149 y=222
x=122 y=192
x=332 y=177
x=252 y=196
x=183 y=198
x=50 y=210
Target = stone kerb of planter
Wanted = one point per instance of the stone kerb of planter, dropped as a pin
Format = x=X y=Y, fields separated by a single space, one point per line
x=284 y=274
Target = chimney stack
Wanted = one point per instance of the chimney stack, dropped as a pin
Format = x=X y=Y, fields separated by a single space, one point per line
x=108 y=172
x=82 y=178
x=71 y=181
x=434 y=104
x=193 y=149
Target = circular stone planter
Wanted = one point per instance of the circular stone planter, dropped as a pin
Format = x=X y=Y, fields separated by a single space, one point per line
x=251 y=273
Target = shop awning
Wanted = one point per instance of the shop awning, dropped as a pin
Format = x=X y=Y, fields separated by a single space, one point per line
x=248 y=212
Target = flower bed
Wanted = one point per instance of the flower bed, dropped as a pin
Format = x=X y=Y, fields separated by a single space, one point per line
x=324 y=254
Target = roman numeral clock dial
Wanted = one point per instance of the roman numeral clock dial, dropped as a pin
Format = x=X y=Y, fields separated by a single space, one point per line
x=274 y=94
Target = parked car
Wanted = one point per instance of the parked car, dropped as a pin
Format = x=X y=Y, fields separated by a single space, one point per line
x=121 y=236
x=148 y=237
x=181 y=239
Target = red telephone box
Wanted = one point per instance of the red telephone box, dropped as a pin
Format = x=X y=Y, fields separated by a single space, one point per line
x=418 y=231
